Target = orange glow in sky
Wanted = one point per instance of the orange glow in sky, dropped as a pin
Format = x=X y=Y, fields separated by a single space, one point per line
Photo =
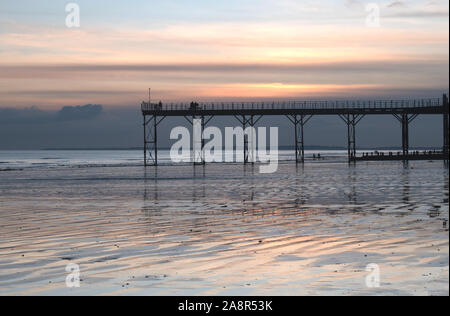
x=278 y=49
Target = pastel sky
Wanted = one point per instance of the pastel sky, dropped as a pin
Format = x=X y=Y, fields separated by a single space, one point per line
x=203 y=50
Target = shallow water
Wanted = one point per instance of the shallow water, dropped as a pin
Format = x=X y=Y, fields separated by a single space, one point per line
x=226 y=229
x=20 y=159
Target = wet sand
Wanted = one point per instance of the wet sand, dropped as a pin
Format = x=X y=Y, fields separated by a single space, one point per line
x=226 y=230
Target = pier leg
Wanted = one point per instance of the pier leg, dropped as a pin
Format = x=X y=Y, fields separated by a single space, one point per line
x=198 y=156
x=252 y=152
x=203 y=141
x=198 y=128
x=248 y=140
x=145 y=140
x=155 y=134
x=351 y=120
x=299 y=122
x=150 y=141
x=445 y=149
x=351 y=137
x=299 y=139
x=405 y=134
x=244 y=126
x=404 y=120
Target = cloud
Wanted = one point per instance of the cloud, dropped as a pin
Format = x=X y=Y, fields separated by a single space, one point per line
x=354 y=4
x=34 y=115
x=396 y=4
x=27 y=115
x=401 y=9
x=75 y=113
x=419 y=14
x=61 y=70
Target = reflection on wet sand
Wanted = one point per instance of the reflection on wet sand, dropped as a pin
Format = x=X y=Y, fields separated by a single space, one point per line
x=227 y=230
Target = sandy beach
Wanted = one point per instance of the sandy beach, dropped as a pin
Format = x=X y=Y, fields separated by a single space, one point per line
x=226 y=229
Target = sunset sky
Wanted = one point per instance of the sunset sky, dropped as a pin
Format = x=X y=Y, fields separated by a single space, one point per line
x=246 y=49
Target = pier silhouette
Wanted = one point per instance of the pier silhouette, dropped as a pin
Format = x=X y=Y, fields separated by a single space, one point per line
x=299 y=113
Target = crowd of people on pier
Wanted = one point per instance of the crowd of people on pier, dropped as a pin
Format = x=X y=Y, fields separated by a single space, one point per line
x=399 y=153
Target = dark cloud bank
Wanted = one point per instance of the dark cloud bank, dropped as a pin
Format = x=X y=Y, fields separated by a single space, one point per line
x=35 y=116
x=93 y=126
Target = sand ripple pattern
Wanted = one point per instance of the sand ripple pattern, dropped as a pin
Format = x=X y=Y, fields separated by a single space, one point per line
x=226 y=229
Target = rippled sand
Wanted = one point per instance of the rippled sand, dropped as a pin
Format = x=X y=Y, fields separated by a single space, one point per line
x=226 y=229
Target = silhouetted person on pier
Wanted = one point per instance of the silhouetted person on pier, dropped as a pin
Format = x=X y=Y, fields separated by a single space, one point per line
x=194 y=105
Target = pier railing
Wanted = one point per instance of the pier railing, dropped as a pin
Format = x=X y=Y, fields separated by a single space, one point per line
x=294 y=105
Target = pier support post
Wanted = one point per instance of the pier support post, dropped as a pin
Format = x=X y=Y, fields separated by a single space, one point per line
x=299 y=142
x=151 y=134
x=145 y=137
x=244 y=126
x=351 y=120
x=249 y=152
x=249 y=157
x=198 y=128
x=150 y=140
x=203 y=141
x=445 y=148
x=299 y=122
x=351 y=137
x=198 y=156
x=405 y=134
x=404 y=120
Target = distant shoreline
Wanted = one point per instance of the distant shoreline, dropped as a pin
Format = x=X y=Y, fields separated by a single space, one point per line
x=280 y=148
